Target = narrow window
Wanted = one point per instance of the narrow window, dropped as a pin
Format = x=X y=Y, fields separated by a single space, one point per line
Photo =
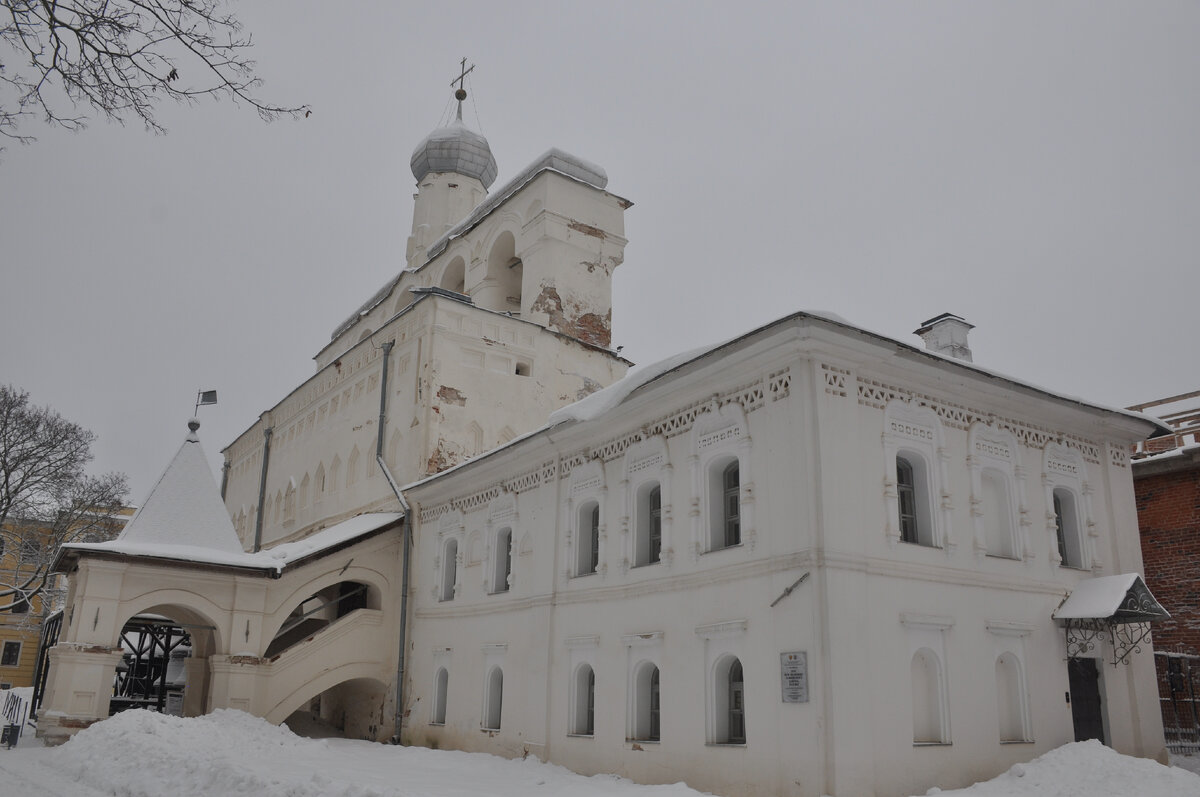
x=503 y=563
x=1010 y=701
x=997 y=515
x=648 y=539
x=655 y=540
x=583 y=719
x=913 y=500
x=494 y=700
x=11 y=655
x=646 y=726
x=1066 y=521
x=655 y=708
x=732 y=516
x=906 y=491
x=449 y=569
x=588 y=555
x=729 y=719
x=440 y=683
x=926 y=692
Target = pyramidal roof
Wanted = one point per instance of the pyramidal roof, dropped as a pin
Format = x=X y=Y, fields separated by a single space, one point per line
x=184 y=507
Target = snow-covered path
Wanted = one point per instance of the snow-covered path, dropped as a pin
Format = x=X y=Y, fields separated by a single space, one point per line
x=143 y=754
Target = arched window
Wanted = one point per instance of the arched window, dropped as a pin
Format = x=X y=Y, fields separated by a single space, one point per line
x=729 y=726
x=1010 y=699
x=912 y=492
x=725 y=503
x=906 y=490
x=647 y=722
x=926 y=689
x=502 y=561
x=449 y=569
x=648 y=539
x=587 y=554
x=493 y=700
x=1066 y=521
x=583 y=704
x=996 y=512
x=440 y=683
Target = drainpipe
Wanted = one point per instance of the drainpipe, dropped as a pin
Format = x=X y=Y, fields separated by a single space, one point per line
x=224 y=478
x=405 y=539
x=262 y=488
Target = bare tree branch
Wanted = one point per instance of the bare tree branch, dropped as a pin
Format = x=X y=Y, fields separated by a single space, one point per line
x=121 y=57
x=46 y=498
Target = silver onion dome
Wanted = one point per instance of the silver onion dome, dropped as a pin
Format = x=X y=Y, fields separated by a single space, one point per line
x=455 y=148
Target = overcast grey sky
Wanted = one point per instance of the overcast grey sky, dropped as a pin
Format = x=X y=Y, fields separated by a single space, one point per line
x=1030 y=166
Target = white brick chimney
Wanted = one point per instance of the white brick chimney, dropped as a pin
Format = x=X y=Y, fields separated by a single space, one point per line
x=947 y=334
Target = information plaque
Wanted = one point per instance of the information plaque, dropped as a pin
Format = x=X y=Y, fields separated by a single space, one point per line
x=793 y=669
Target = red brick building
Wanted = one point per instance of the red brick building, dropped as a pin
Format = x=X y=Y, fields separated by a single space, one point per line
x=1166 y=481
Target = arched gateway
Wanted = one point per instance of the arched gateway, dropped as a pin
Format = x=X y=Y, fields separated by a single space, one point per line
x=267 y=631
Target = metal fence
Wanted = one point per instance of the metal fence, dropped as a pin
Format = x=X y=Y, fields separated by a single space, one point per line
x=1179 y=697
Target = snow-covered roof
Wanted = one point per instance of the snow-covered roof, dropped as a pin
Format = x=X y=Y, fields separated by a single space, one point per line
x=1123 y=597
x=604 y=401
x=274 y=559
x=184 y=507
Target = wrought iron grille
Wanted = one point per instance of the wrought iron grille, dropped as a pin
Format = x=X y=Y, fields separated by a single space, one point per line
x=1179 y=697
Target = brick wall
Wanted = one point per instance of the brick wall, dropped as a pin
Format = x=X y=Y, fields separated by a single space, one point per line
x=1168 y=507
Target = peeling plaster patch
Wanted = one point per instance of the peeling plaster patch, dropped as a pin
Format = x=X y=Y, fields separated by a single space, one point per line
x=589 y=327
x=443 y=457
x=587 y=229
x=452 y=395
x=595 y=328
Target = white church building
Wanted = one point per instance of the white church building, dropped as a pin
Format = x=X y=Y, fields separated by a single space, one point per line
x=811 y=560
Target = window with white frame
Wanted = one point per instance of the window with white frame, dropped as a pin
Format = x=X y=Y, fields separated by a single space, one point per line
x=729 y=699
x=725 y=706
x=1066 y=527
x=493 y=699
x=449 y=569
x=646 y=500
x=1068 y=509
x=644 y=707
x=647 y=704
x=722 y=478
x=587 y=550
x=501 y=561
x=647 y=542
x=927 y=686
x=1012 y=693
x=585 y=518
x=583 y=701
x=997 y=491
x=917 y=512
x=441 y=686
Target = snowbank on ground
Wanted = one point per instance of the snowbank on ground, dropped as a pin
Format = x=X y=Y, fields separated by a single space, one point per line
x=1085 y=769
x=145 y=754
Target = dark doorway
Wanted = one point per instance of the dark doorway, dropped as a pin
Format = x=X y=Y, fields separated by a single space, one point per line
x=1085 y=699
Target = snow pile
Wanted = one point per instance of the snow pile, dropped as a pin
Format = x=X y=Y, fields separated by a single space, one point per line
x=145 y=754
x=1085 y=769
